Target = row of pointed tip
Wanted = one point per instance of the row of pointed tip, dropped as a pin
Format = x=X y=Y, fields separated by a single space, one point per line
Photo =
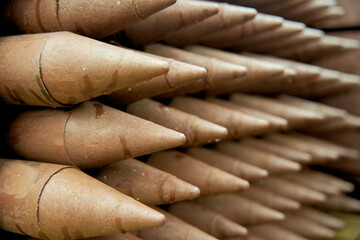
x=186 y=121
x=182 y=23
x=58 y=84
x=206 y=69
x=273 y=192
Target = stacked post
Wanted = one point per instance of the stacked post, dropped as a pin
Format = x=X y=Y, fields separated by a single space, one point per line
x=181 y=119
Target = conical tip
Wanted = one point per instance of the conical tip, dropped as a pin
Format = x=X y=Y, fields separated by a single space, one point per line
x=147 y=217
x=147 y=8
x=282 y=165
x=339 y=224
x=250 y=13
x=192 y=192
x=262 y=173
x=175 y=189
x=244 y=184
x=154 y=65
x=159 y=219
x=320 y=197
x=207 y=9
x=237 y=14
x=237 y=184
x=230 y=183
x=304 y=158
x=271 y=20
x=292 y=166
x=161 y=138
x=182 y=73
x=239 y=71
x=350 y=44
x=270 y=215
x=278 y=216
x=208 y=132
x=327 y=233
x=235 y=229
x=355 y=205
x=178 y=138
x=185 y=72
x=293 y=205
x=261 y=124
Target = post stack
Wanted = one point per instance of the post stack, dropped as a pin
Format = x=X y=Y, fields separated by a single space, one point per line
x=180 y=119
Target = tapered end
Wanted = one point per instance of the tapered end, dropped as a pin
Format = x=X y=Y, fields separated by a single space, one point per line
x=288 y=166
x=206 y=132
x=322 y=218
x=314 y=184
x=276 y=123
x=231 y=229
x=256 y=69
x=208 y=179
x=197 y=11
x=100 y=70
x=341 y=203
x=228 y=16
x=98 y=148
x=344 y=185
x=291 y=205
x=174 y=228
x=349 y=44
x=293 y=190
x=335 y=223
x=260 y=173
x=207 y=220
x=263 y=22
x=82 y=18
x=237 y=123
x=115 y=213
x=229 y=37
x=319 y=232
x=313 y=196
x=258 y=126
x=271 y=199
x=174 y=190
x=283 y=151
x=274 y=163
x=302 y=157
x=146 y=184
x=182 y=74
x=251 y=125
x=227 y=163
x=166 y=139
x=197 y=130
x=233 y=15
x=228 y=71
x=221 y=182
x=327 y=233
x=265 y=214
x=180 y=15
x=247 y=212
x=293 y=26
x=297 y=117
x=306 y=227
x=152 y=66
x=251 y=172
x=147 y=8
